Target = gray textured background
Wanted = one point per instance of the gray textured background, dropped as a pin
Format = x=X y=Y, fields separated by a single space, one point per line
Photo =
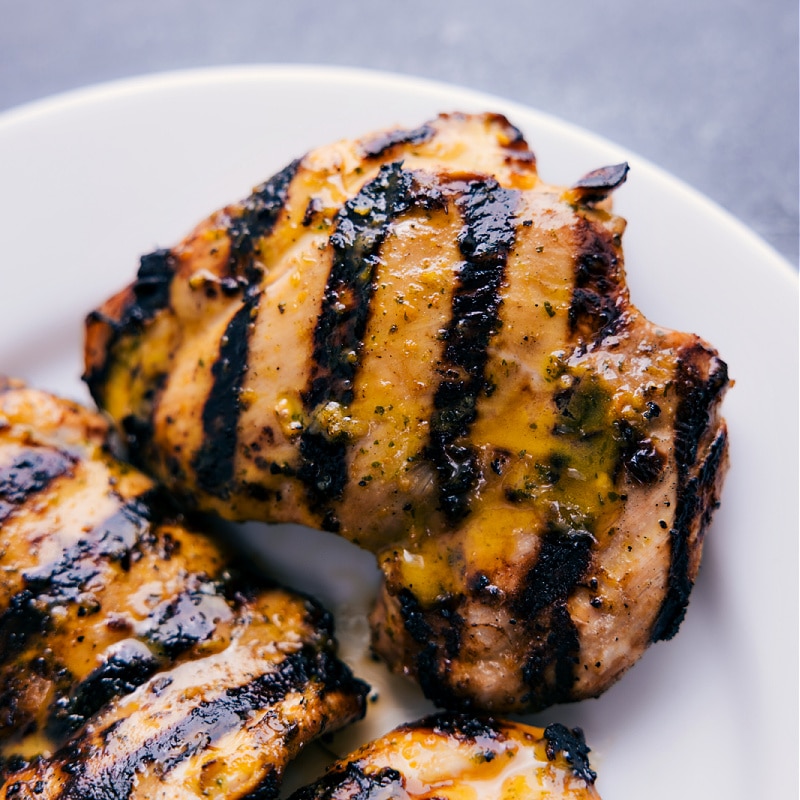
x=707 y=89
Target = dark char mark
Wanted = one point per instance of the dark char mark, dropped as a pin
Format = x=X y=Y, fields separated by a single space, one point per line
x=60 y=583
x=129 y=666
x=207 y=722
x=462 y=726
x=149 y=294
x=695 y=492
x=378 y=145
x=29 y=474
x=572 y=744
x=214 y=460
x=429 y=664
x=637 y=454
x=698 y=397
x=139 y=430
x=8 y=766
x=361 y=228
x=187 y=619
x=18 y=622
x=438 y=644
x=268 y=789
x=485 y=240
x=171 y=628
x=563 y=559
x=414 y=617
x=599 y=183
x=418 y=621
x=150 y=289
x=595 y=308
x=351 y=782
x=259 y=215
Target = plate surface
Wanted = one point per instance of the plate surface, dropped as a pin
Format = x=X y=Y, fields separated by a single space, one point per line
x=91 y=180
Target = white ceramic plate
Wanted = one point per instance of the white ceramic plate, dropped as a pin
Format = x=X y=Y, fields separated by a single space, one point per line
x=91 y=180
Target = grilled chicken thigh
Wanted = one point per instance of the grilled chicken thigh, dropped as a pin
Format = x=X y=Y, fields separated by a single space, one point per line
x=413 y=341
x=449 y=757
x=134 y=660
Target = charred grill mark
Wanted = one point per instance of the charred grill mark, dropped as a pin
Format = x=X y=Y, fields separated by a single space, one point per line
x=598 y=184
x=378 y=145
x=60 y=583
x=19 y=621
x=637 y=454
x=414 y=617
x=29 y=474
x=450 y=622
x=697 y=397
x=149 y=294
x=694 y=493
x=8 y=766
x=207 y=722
x=438 y=629
x=25 y=681
x=462 y=726
x=187 y=619
x=453 y=629
x=214 y=461
x=139 y=429
x=433 y=680
x=427 y=660
x=594 y=310
x=361 y=228
x=129 y=666
x=111 y=540
x=268 y=789
x=258 y=218
x=323 y=470
x=572 y=744
x=556 y=647
x=563 y=559
x=353 y=783
x=150 y=290
x=11 y=717
x=485 y=241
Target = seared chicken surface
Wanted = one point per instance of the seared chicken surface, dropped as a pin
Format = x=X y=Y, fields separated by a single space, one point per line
x=413 y=341
x=450 y=757
x=134 y=660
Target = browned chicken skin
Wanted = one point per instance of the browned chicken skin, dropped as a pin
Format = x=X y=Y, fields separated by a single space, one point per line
x=413 y=341
x=135 y=661
x=450 y=757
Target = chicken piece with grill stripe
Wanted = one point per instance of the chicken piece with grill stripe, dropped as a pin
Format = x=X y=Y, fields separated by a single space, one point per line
x=414 y=341
x=135 y=660
x=452 y=757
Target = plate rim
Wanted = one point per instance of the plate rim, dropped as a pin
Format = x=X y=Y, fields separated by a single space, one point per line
x=96 y=93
